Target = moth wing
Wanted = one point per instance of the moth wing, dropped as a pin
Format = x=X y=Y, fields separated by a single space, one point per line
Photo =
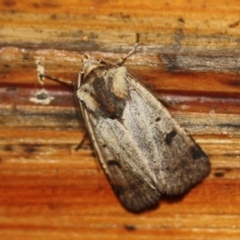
x=175 y=159
x=130 y=183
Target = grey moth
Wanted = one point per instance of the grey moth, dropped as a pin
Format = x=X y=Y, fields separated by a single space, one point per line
x=143 y=150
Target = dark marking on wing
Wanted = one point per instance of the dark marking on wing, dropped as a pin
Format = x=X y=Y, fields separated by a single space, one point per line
x=157 y=119
x=110 y=105
x=170 y=136
x=113 y=163
x=197 y=152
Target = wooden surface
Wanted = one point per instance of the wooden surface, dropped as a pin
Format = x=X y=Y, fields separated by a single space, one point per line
x=189 y=54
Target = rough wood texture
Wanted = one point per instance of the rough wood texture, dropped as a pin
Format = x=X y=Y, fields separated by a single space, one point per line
x=189 y=55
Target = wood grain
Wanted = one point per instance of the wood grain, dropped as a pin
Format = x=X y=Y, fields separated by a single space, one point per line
x=189 y=55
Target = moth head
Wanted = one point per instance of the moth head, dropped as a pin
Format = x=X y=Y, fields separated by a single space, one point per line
x=89 y=64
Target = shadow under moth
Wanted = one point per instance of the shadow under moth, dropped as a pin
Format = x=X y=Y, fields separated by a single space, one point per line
x=143 y=150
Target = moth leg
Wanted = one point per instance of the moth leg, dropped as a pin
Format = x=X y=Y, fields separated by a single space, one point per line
x=80 y=77
x=79 y=146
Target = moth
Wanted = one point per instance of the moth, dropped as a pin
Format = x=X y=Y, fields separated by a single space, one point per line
x=143 y=150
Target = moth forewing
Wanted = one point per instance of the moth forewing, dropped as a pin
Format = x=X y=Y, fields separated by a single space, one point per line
x=176 y=161
x=135 y=191
x=142 y=149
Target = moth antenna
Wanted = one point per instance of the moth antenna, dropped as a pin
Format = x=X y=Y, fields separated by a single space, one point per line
x=123 y=59
x=56 y=79
x=41 y=75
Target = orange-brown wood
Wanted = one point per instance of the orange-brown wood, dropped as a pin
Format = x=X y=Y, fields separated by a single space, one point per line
x=188 y=55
